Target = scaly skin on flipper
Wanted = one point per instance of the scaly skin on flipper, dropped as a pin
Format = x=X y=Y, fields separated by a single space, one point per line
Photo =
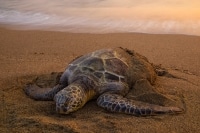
x=106 y=75
x=117 y=103
x=38 y=93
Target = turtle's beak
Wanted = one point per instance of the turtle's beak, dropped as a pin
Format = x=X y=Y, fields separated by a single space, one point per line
x=61 y=109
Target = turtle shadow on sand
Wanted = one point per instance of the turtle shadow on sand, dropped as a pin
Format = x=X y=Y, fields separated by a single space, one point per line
x=120 y=79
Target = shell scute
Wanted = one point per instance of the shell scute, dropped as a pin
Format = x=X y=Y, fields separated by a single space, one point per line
x=111 y=77
x=94 y=63
x=98 y=74
x=116 y=66
x=87 y=69
x=79 y=59
x=106 y=55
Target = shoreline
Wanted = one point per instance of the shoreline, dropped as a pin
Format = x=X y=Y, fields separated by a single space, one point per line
x=80 y=30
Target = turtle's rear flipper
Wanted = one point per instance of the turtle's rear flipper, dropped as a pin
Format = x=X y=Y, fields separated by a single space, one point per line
x=44 y=94
x=117 y=103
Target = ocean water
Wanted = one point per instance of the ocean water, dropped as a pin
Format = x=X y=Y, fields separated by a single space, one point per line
x=104 y=16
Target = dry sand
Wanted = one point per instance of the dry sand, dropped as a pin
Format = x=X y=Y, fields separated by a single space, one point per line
x=24 y=55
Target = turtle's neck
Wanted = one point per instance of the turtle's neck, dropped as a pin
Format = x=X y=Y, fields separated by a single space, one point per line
x=86 y=88
x=87 y=84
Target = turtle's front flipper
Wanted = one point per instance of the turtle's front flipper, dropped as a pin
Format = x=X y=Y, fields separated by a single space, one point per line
x=117 y=103
x=45 y=94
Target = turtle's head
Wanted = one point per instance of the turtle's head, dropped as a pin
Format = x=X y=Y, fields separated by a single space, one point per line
x=69 y=99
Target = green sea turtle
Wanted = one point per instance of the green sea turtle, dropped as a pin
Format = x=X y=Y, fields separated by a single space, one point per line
x=106 y=75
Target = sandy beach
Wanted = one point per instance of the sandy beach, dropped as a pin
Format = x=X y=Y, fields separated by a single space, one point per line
x=26 y=55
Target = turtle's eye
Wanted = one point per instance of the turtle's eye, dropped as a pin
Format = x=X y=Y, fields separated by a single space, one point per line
x=66 y=104
x=73 y=106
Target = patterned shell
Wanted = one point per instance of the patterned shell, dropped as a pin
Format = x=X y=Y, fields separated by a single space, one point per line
x=106 y=65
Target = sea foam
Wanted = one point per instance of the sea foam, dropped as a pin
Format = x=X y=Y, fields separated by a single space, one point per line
x=159 y=17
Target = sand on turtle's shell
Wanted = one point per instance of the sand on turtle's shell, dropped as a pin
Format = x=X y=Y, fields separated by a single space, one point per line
x=25 y=55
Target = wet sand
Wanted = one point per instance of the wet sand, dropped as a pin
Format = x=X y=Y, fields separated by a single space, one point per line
x=25 y=55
